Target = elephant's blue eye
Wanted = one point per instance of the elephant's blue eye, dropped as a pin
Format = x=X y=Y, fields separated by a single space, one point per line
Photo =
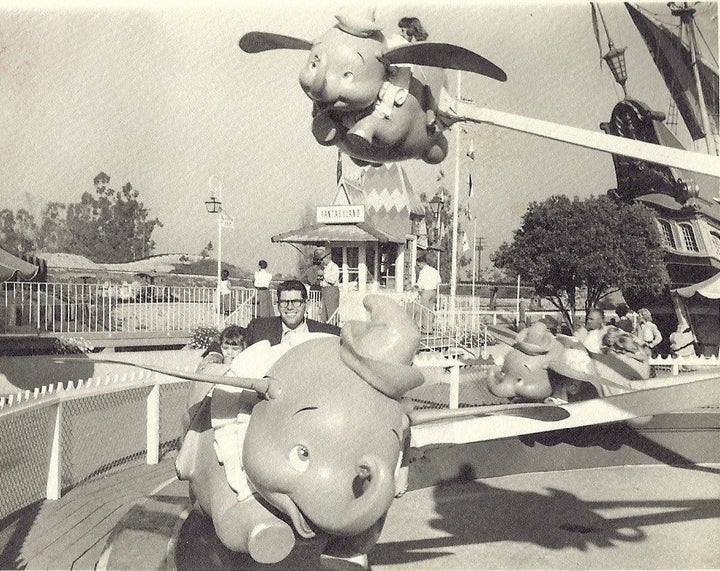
x=299 y=458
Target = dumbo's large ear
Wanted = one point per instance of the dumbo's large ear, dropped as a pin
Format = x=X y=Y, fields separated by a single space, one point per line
x=447 y=56
x=381 y=350
x=256 y=42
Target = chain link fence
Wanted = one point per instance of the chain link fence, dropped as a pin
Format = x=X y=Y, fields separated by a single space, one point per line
x=73 y=434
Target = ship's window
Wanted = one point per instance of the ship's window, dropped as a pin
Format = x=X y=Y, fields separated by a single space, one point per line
x=666 y=234
x=689 y=238
x=716 y=241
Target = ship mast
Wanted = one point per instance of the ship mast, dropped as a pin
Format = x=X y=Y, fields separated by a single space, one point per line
x=687 y=20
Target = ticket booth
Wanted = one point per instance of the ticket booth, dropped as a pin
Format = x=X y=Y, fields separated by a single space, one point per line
x=372 y=227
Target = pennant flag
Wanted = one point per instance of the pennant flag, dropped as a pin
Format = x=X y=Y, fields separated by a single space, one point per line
x=339 y=173
x=465 y=243
x=226 y=221
x=596 y=29
x=471 y=151
x=470 y=187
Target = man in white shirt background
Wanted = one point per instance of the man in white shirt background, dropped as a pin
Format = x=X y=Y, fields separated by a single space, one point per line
x=427 y=282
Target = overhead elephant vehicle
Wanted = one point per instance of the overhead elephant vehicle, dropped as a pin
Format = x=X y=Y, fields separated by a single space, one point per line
x=376 y=97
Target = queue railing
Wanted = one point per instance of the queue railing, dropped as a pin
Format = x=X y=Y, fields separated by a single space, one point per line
x=93 y=308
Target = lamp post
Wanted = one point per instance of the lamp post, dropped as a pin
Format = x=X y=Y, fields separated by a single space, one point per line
x=436 y=205
x=214 y=206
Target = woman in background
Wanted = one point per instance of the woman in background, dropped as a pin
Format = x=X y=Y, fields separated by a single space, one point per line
x=262 y=291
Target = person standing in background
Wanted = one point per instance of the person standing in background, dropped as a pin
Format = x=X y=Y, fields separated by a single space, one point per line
x=647 y=331
x=329 y=275
x=225 y=293
x=262 y=291
x=427 y=282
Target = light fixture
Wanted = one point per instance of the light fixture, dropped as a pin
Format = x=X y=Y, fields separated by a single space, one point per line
x=213 y=205
x=615 y=59
x=436 y=205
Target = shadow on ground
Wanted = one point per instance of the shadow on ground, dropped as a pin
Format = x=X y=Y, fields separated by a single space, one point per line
x=473 y=513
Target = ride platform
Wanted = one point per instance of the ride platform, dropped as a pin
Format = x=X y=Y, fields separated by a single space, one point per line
x=603 y=497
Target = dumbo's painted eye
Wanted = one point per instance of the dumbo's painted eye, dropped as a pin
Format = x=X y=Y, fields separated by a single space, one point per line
x=299 y=458
x=348 y=75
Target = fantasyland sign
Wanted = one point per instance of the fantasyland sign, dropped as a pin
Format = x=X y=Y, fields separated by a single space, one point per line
x=340 y=213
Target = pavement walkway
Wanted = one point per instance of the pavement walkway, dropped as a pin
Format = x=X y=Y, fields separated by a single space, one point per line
x=626 y=517
x=619 y=517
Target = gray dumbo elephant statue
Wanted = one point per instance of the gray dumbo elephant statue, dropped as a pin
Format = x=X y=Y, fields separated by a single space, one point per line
x=317 y=451
x=376 y=97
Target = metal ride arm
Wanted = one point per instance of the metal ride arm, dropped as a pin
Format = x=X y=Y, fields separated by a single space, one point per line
x=688 y=160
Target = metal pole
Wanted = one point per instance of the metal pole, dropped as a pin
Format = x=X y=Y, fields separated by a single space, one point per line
x=517 y=303
x=474 y=268
x=456 y=193
x=698 y=84
x=688 y=160
x=219 y=262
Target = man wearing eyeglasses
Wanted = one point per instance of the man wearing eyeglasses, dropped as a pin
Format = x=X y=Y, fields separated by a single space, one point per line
x=292 y=303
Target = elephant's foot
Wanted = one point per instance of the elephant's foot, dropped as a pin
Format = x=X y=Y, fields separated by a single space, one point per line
x=271 y=542
x=248 y=527
x=437 y=152
x=325 y=130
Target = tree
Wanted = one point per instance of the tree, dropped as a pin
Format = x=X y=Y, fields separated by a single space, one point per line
x=566 y=246
x=112 y=226
x=53 y=235
x=18 y=231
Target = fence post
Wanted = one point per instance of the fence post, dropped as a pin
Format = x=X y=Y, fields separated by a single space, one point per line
x=454 y=400
x=153 y=425
x=54 y=478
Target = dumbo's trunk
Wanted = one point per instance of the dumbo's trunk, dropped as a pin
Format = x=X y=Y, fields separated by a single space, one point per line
x=500 y=388
x=371 y=505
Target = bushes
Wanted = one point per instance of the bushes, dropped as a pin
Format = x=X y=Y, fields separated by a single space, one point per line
x=202 y=337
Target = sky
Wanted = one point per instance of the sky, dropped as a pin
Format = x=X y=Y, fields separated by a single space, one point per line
x=161 y=96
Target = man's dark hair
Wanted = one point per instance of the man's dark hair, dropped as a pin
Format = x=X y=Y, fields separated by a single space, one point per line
x=422 y=258
x=262 y=264
x=292 y=285
x=621 y=310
